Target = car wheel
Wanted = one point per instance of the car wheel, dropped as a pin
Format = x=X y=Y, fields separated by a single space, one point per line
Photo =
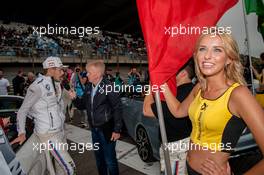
x=143 y=145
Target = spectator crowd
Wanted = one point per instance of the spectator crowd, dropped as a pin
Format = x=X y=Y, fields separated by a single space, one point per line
x=20 y=40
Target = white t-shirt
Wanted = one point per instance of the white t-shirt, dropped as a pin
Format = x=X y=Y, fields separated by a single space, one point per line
x=4 y=83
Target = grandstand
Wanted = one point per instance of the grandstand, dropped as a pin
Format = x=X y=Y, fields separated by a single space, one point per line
x=19 y=44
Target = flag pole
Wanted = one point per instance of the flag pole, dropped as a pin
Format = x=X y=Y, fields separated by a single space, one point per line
x=163 y=134
x=248 y=46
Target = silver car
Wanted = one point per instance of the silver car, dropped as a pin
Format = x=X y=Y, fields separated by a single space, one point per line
x=145 y=132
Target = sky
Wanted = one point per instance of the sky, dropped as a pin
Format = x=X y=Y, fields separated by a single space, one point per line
x=234 y=18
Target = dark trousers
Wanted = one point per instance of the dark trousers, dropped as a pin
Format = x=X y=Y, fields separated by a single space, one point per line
x=106 y=161
x=190 y=170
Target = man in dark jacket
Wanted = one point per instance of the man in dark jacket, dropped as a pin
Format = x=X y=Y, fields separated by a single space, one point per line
x=18 y=84
x=103 y=107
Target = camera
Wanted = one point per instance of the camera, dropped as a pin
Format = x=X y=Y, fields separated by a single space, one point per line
x=77 y=70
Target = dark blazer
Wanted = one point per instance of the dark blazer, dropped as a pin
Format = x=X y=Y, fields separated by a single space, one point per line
x=105 y=111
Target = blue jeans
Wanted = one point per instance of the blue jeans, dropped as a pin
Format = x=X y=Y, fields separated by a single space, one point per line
x=106 y=155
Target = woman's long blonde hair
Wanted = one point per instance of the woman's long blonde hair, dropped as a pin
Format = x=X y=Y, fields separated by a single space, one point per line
x=234 y=70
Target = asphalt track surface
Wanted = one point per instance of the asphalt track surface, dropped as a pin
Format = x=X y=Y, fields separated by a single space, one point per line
x=129 y=161
x=85 y=161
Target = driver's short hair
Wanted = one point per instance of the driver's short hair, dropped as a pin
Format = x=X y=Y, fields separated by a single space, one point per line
x=45 y=71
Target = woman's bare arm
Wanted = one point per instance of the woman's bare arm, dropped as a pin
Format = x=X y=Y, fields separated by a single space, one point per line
x=178 y=109
x=256 y=73
x=243 y=104
x=147 y=111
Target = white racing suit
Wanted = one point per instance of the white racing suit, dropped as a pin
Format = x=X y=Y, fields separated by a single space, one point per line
x=178 y=153
x=43 y=102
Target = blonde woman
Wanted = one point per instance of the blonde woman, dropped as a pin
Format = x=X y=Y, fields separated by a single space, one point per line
x=220 y=107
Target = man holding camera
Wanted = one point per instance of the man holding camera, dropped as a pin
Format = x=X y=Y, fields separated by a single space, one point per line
x=78 y=82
